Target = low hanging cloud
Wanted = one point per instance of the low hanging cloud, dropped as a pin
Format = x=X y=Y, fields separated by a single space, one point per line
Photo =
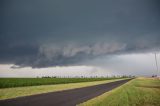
x=72 y=50
x=74 y=54
x=69 y=54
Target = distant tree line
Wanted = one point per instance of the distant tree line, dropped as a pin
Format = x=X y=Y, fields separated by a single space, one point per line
x=114 y=76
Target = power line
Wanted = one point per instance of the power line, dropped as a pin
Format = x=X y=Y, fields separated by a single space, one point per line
x=156 y=62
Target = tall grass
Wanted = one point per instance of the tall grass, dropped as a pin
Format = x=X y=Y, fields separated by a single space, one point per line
x=138 y=92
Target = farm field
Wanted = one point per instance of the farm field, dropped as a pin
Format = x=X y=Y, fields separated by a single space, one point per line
x=20 y=82
x=138 y=92
x=7 y=93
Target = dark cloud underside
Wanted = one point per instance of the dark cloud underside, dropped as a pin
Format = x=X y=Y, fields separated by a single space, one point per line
x=42 y=33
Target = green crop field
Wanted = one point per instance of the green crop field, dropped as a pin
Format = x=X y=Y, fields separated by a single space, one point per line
x=19 y=82
x=8 y=93
x=138 y=92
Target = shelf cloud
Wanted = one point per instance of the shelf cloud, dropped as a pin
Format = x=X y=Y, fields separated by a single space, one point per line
x=38 y=33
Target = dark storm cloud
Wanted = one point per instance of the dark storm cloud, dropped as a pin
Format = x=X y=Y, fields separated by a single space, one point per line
x=42 y=33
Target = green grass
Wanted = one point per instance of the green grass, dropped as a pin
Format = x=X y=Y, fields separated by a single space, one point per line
x=138 y=92
x=19 y=82
x=7 y=93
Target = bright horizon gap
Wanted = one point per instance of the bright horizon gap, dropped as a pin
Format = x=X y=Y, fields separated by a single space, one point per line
x=128 y=64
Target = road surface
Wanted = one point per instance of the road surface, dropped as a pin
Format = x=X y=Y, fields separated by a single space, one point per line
x=63 y=98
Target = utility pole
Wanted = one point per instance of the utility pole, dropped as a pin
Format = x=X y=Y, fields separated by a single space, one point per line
x=156 y=63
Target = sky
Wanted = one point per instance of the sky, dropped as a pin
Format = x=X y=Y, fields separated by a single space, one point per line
x=78 y=37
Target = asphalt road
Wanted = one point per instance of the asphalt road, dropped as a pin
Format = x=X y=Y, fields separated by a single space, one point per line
x=63 y=98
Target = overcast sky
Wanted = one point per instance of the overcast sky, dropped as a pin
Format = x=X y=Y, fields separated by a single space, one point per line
x=103 y=37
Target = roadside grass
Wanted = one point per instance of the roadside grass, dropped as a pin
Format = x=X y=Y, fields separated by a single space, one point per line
x=19 y=82
x=137 y=92
x=8 y=93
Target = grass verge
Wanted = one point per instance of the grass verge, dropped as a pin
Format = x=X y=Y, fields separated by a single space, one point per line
x=138 y=92
x=7 y=93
